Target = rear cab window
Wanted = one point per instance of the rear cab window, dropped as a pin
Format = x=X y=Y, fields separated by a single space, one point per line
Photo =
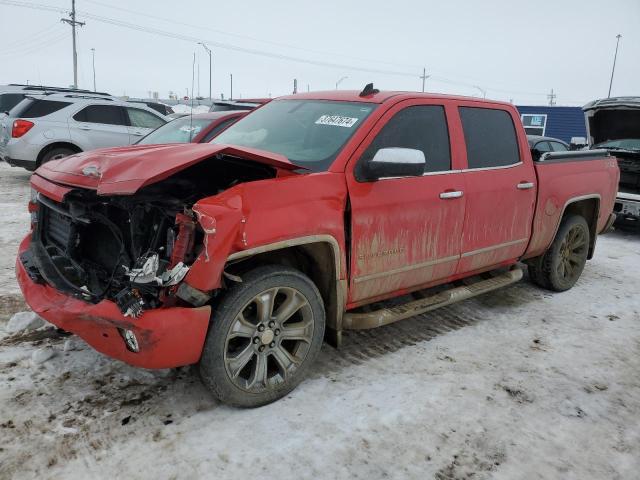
x=419 y=127
x=104 y=114
x=490 y=137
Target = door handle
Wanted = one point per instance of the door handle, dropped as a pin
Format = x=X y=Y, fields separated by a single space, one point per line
x=82 y=127
x=451 y=194
x=137 y=134
x=524 y=185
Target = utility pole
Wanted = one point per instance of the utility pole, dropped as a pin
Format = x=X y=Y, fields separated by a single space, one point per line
x=613 y=69
x=552 y=98
x=231 y=93
x=208 y=50
x=424 y=77
x=72 y=21
x=93 y=61
x=198 y=78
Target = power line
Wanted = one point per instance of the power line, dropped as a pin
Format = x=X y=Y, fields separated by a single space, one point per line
x=43 y=44
x=251 y=51
x=247 y=37
x=35 y=37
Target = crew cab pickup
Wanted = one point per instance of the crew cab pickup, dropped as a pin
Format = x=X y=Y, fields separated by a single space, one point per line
x=300 y=221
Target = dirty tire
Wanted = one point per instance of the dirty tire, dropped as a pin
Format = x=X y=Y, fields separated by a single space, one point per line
x=56 y=154
x=256 y=351
x=561 y=266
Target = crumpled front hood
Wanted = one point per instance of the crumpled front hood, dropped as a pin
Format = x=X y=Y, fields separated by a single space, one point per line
x=124 y=170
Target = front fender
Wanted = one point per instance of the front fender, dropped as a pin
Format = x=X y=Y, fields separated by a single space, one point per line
x=220 y=218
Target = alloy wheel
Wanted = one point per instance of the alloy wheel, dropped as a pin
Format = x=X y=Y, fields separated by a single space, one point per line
x=269 y=339
x=573 y=253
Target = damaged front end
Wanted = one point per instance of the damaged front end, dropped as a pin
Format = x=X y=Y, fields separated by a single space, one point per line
x=134 y=250
x=131 y=250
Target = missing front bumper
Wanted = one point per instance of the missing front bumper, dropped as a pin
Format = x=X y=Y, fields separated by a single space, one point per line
x=166 y=337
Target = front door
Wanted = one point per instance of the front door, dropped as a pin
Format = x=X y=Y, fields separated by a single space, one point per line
x=405 y=232
x=500 y=190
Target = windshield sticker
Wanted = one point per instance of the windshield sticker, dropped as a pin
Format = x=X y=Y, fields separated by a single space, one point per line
x=336 y=121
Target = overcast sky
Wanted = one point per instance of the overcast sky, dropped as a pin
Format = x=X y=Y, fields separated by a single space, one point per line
x=510 y=49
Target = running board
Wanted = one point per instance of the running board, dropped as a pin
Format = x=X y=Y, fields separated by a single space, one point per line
x=385 y=316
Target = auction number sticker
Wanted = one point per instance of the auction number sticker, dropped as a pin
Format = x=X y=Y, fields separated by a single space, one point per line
x=336 y=121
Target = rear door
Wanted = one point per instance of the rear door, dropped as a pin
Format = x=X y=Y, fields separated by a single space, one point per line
x=142 y=123
x=405 y=232
x=500 y=189
x=99 y=126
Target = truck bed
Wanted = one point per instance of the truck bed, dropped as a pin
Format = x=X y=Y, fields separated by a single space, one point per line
x=564 y=177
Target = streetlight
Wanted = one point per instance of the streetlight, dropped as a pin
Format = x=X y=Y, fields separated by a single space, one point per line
x=93 y=60
x=613 y=69
x=210 y=68
x=340 y=81
x=482 y=90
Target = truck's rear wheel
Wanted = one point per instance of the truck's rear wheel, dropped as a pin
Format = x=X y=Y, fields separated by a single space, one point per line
x=561 y=266
x=264 y=335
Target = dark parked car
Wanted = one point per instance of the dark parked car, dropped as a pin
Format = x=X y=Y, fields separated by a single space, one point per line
x=246 y=104
x=541 y=145
x=199 y=128
x=157 y=106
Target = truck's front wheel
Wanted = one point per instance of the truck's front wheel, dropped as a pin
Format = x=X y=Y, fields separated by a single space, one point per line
x=264 y=335
x=561 y=266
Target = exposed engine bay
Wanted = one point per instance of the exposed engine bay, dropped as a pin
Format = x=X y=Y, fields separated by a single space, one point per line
x=134 y=250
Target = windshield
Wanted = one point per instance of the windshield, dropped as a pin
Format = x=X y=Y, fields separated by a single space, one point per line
x=625 y=144
x=310 y=133
x=180 y=130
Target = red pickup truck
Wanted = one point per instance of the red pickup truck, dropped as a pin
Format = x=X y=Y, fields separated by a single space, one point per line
x=298 y=223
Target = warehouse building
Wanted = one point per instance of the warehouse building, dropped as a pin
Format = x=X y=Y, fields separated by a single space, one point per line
x=564 y=123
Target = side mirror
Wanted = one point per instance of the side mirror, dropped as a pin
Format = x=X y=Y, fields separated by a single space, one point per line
x=396 y=162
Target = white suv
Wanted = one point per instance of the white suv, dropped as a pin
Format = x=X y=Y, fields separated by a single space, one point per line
x=47 y=127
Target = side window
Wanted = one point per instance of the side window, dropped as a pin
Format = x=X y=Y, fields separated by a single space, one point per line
x=422 y=127
x=219 y=128
x=106 y=114
x=41 y=108
x=10 y=100
x=140 y=118
x=490 y=137
x=558 y=147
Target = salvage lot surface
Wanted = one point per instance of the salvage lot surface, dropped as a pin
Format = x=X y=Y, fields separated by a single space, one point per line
x=519 y=383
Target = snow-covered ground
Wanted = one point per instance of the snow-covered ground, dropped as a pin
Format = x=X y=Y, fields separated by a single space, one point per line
x=516 y=384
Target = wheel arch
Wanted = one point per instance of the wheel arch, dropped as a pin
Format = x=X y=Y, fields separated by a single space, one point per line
x=51 y=146
x=587 y=206
x=318 y=257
